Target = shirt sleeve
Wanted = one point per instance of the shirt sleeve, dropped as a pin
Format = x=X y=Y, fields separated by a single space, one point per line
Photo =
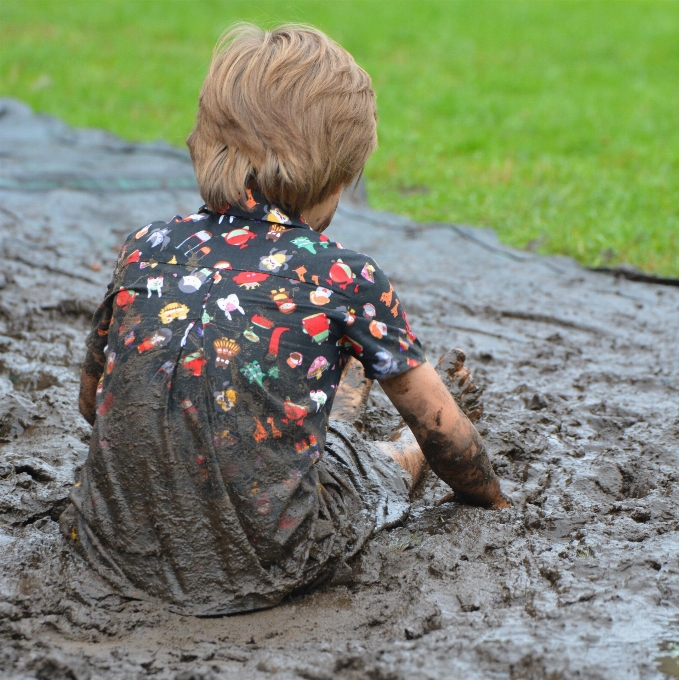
x=376 y=328
x=97 y=339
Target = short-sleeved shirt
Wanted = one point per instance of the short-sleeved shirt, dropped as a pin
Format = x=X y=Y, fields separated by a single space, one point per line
x=225 y=335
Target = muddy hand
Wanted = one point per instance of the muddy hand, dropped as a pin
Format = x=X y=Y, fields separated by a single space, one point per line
x=459 y=381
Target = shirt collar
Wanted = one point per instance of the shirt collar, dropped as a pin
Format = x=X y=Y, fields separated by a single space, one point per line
x=258 y=208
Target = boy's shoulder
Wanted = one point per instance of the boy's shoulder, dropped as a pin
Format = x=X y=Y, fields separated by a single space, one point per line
x=215 y=241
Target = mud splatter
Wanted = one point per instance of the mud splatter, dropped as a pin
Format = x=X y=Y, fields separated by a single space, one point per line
x=578 y=580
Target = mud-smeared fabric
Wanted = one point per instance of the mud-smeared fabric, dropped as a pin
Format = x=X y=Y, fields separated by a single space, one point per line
x=192 y=553
x=225 y=337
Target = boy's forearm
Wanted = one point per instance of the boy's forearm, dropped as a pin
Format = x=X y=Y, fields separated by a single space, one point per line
x=93 y=367
x=462 y=462
x=450 y=443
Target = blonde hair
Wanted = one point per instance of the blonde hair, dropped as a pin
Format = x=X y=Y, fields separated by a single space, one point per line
x=286 y=111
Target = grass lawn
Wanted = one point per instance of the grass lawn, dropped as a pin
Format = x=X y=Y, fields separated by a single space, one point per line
x=554 y=122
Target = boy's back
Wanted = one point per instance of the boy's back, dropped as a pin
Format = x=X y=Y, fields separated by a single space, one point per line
x=225 y=336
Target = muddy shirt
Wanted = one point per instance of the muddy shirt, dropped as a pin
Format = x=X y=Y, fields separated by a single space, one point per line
x=225 y=336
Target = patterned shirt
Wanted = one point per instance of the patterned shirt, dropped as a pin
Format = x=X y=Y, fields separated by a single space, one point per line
x=233 y=329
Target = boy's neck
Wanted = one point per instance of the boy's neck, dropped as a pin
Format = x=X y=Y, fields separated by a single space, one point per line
x=319 y=216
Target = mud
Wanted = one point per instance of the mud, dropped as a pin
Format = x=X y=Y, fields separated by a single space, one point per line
x=578 y=580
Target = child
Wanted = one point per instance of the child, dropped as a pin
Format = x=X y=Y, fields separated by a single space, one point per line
x=216 y=479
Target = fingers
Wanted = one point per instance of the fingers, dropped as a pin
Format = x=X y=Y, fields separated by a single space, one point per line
x=459 y=381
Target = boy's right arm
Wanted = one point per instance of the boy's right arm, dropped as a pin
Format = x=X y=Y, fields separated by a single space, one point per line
x=449 y=442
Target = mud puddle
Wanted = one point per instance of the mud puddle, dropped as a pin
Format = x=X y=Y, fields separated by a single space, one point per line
x=579 y=580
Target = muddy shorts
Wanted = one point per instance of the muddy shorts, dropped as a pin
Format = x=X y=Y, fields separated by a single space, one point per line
x=358 y=490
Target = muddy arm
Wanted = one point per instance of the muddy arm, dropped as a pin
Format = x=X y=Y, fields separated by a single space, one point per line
x=449 y=442
x=93 y=367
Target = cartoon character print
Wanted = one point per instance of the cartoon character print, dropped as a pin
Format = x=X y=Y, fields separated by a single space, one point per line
x=276 y=215
x=368 y=272
x=155 y=283
x=196 y=217
x=229 y=304
x=159 y=237
x=320 y=296
x=276 y=231
x=268 y=392
x=193 y=281
x=142 y=232
x=294 y=413
x=318 y=366
x=195 y=241
x=317 y=326
x=110 y=363
x=253 y=372
x=319 y=397
x=386 y=364
x=309 y=447
x=193 y=363
x=165 y=373
x=283 y=301
x=190 y=411
x=274 y=261
x=239 y=237
x=295 y=359
x=250 y=335
x=124 y=298
x=377 y=329
x=134 y=256
x=306 y=243
x=250 y=280
x=341 y=274
x=250 y=202
x=157 y=339
x=226 y=398
x=225 y=349
x=262 y=321
x=173 y=311
x=351 y=345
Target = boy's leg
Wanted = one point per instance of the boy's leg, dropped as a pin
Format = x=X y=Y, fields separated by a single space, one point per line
x=404 y=449
x=352 y=393
x=350 y=400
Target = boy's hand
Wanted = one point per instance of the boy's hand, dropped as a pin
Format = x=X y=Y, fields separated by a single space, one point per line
x=492 y=497
x=449 y=442
x=459 y=381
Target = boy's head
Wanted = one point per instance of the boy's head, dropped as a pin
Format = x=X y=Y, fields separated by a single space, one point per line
x=288 y=112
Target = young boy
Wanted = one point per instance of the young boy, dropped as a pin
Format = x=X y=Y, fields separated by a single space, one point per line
x=216 y=479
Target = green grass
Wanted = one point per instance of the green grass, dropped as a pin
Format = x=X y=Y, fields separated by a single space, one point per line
x=555 y=123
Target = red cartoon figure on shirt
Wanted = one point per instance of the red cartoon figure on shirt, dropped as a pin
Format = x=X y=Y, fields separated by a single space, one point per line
x=294 y=413
x=239 y=237
x=125 y=298
x=317 y=326
x=341 y=274
x=158 y=338
x=133 y=257
x=194 y=363
x=250 y=280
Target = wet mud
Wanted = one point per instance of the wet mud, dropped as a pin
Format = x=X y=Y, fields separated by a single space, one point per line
x=579 y=369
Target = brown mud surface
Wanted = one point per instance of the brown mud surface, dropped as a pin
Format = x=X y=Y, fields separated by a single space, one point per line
x=578 y=580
